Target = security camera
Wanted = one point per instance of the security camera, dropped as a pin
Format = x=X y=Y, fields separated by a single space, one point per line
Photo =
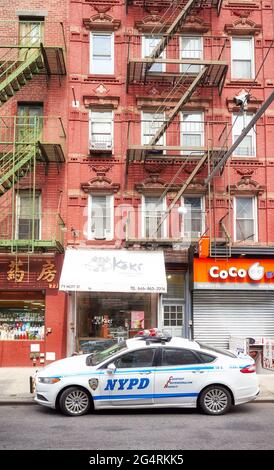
x=242 y=98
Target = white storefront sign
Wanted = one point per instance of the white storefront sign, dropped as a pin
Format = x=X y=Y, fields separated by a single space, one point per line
x=113 y=271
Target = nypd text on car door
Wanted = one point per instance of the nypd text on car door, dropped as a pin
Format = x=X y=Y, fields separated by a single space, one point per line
x=129 y=379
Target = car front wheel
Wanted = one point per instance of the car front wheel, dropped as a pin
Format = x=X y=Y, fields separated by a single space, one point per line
x=75 y=401
x=215 y=400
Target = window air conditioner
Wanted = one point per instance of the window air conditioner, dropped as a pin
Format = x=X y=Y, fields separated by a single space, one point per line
x=101 y=146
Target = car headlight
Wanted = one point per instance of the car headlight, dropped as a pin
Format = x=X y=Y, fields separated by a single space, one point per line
x=48 y=380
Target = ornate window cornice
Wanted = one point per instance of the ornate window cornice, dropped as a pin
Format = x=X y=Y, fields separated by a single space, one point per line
x=101 y=22
x=243 y=27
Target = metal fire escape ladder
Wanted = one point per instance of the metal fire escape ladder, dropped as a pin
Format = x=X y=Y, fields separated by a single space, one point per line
x=15 y=74
x=186 y=96
x=157 y=51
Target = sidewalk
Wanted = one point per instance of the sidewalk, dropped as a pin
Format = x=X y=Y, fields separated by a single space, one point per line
x=14 y=385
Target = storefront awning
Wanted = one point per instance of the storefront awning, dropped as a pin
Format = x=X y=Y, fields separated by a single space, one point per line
x=113 y=271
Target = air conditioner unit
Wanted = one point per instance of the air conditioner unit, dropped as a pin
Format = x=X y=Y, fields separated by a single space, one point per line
x=190 y=235
x=101 y=234
x=100 y=146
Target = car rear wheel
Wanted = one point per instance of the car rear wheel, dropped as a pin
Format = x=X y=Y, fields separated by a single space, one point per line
x=215 y=400
x=75 y=401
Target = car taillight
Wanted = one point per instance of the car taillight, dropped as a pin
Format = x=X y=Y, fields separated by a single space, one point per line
x=248 y=369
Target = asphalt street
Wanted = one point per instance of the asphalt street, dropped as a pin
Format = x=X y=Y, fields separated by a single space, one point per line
x=246 y=427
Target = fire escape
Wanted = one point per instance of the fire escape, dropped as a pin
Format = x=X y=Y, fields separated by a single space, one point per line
x=27 y=142
x=181 y=77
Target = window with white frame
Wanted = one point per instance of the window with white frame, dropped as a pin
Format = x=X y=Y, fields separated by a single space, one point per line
x=247 y=148
x=242 y=57
x=154 y=224
x=101 y=217
x=245 y=218
x=148 y=45
x=101 y=131
x=191 y=48
x=151 y=123
x=102 y=53
x=192 y=131
x=193 y=216
x=28 y=215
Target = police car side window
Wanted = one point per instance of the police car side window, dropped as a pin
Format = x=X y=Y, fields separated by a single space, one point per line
x=139 y=358
x=178 y=357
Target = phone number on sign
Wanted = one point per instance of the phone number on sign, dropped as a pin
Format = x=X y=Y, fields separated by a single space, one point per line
x=147 y=288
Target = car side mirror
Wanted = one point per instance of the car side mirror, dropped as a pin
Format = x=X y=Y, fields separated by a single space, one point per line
x=111 y=368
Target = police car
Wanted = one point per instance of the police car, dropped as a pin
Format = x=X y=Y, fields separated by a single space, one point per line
x=150 y=370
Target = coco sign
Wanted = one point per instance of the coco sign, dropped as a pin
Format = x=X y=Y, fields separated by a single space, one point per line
x=255 y=272
x=241 y=273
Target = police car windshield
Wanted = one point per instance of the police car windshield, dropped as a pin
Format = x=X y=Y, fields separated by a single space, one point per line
x=225 y=352
x=101 y=356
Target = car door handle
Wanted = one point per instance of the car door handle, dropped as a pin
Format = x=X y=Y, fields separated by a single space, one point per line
x=197 y=371
x=146 y=372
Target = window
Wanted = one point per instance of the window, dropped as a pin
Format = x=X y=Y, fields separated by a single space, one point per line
x=242 y=55
x=28 y=215
x=177 y=357
x=31 y=32
x=148 y=45
x=153 y=213
x=248 y=145
x=192 y=131
x=101 y=131
x=139 y=358
x=173 y=315
x=30 y=122
x=151 y=123
x=205 y=358
x=245 y=209
x=191 y=48
x=102 y=53
x=101 y=217
x=193 y=217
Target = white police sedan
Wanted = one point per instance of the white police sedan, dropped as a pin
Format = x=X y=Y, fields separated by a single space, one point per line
x=148 y=371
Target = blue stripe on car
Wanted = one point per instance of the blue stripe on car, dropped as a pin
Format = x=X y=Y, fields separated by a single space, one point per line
x=147 y=395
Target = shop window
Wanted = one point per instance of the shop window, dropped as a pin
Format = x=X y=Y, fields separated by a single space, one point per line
x=28 y=215
x=140 y=358
x=151 y=123
x=191 y=48
x=177 y=357
x=22 y=319
x=101 y=131
x=242 y=58
x=193 y=217
x=148 y=45
x=192 y=132
x=111 y=316
x=245 y=218
x=102 y=53
x=247 y=148
x=153 y=213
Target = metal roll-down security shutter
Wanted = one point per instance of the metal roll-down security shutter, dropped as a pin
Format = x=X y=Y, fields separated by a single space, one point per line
x=219 y=315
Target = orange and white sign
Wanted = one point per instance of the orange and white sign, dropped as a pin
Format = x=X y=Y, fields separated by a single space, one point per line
x=236 y=273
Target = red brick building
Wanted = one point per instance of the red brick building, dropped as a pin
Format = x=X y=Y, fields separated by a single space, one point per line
x=146 y=95
x=33 y=125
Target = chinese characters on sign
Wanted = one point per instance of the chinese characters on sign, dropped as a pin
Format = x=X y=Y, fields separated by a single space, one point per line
x=15 y=272
x=47 y=273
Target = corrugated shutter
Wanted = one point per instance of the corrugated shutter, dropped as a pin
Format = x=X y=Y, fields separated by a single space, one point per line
x=218 y=315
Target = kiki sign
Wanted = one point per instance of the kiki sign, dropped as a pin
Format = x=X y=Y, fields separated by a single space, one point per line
x=233 y=273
